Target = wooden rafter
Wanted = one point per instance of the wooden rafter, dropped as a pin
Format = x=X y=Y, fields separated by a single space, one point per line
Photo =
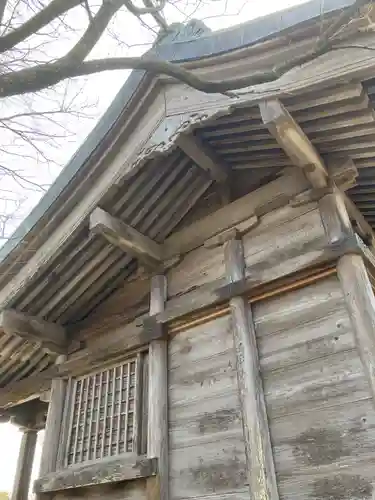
x=51 y=335
x=204 y=157
x=127 y=238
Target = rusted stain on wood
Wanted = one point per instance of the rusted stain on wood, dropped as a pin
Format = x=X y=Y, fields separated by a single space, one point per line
x=342 y=487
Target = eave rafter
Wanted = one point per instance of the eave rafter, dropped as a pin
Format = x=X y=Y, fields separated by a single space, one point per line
x=205 y=157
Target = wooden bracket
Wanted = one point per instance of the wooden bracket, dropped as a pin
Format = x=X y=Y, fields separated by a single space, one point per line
x=294 y=141
x=51 y=335
x=127 y=238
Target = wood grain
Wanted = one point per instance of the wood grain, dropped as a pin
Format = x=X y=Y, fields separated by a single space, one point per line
x=258 y=448
x=360 y=301
x=157 y=437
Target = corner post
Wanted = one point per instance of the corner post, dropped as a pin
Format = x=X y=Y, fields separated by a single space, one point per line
x=54 y=422
x=24 y=465
x=258 y=448
x=352 y=274
x=157 y=439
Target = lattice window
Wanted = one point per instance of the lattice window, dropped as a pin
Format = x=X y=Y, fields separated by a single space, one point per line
x=106 y=410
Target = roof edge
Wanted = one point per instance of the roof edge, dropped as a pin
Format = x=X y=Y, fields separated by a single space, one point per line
x=201 y=46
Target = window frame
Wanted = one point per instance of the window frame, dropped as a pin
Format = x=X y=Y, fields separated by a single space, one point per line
x=140 y=410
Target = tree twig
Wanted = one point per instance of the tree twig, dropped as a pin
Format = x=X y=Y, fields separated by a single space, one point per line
x=52 y=11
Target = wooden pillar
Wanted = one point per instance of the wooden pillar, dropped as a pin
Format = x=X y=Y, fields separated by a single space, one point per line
x=51 y=443
x=360 y=303
x=157 y=439
x=24 y=465
x=258 y=448
x=355 y=283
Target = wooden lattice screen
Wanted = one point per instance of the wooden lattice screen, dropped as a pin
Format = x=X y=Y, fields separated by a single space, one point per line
x=105 y=412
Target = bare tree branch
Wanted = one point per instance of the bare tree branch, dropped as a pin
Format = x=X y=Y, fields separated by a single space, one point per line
x=53 y=10
x=3 y=4
x=43 y=76
x=94 y=31
x=149 y=7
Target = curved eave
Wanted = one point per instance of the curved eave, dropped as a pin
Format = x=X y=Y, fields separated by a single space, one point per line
x=200 y=48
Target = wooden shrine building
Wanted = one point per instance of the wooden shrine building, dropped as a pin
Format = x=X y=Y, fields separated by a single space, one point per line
x=192 y=299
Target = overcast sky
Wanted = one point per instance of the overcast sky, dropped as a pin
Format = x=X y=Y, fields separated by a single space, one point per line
x=236 y=11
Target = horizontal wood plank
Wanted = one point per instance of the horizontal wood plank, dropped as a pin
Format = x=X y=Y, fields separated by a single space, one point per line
x=109 y=470
x=269 y=197
x=208 y=469
x=334 y=380
x=351 y=479
x=323 y=439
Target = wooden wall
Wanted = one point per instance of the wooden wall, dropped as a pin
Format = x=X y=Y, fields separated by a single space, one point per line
x=131 y=490
x=284 y=241
x=318 y=399
x=321 y=416
x=207 y=455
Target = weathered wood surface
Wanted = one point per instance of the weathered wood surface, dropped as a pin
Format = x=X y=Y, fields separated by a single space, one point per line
x=317 y=393
x=269 y=197
x=324 y=440
x=294 y=141
x=285 y=241
x=51 y=442
x=25 y=462
x=323 y=72
x=207 y=455
x=204 y=157
x=115 y=172
x=129 y=490
x=289 y=256
x=126 y=237
x=258 y=448
x=51 y=335
x=335 y=218
x=108 y=470
x=360 y=301
x=157 y=424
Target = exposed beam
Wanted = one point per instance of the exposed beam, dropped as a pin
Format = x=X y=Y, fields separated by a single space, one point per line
x=273 y=195
x=127 y=238
x=144 y=330
x=294 y=141
x=51 y=335
x=299 y=148
x=204 y=157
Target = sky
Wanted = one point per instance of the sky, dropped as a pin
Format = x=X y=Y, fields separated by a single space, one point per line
x=97 y=94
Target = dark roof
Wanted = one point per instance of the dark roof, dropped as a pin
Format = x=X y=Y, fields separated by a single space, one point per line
x=184 y=46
